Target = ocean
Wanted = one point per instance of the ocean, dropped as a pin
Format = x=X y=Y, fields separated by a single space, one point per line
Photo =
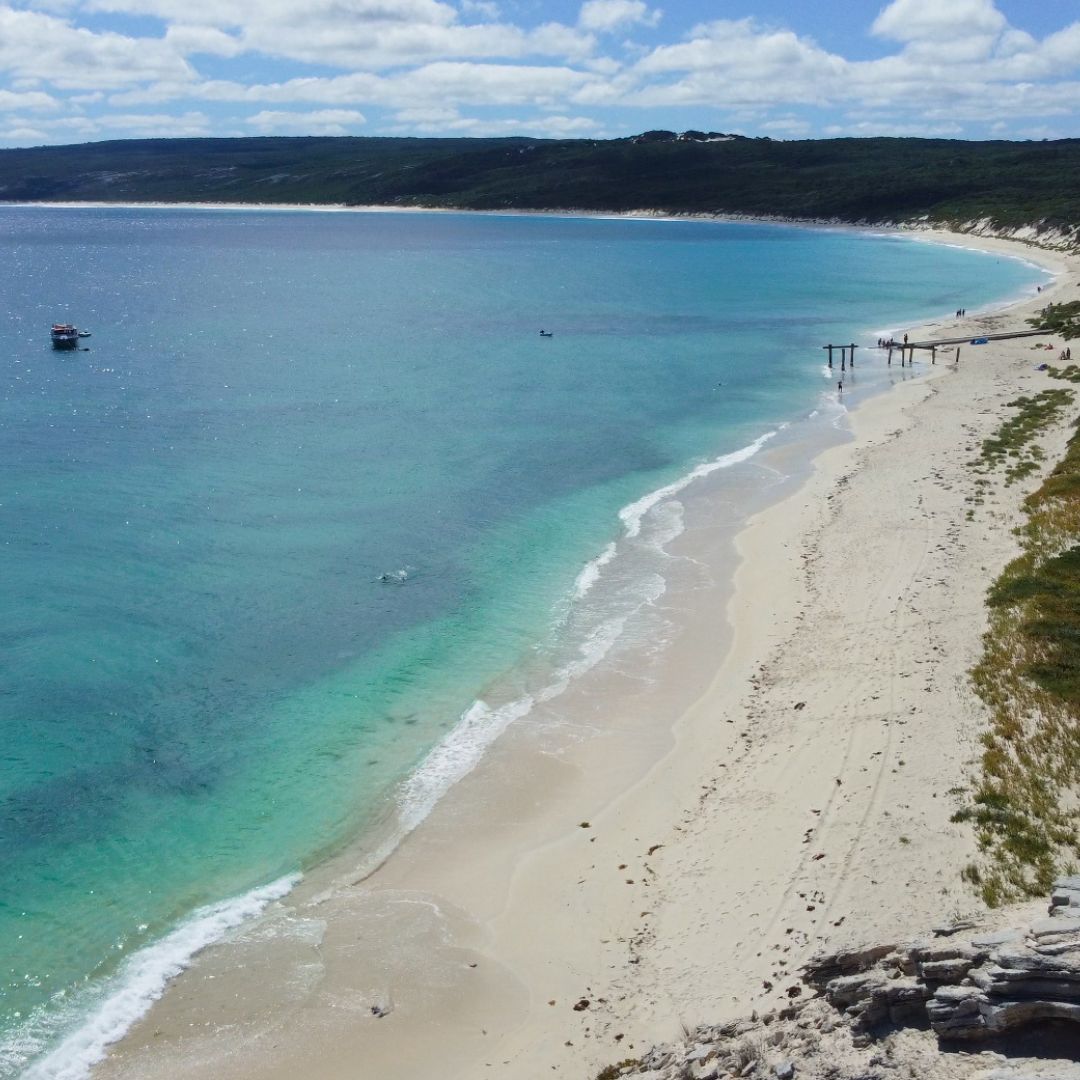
x=317 y=512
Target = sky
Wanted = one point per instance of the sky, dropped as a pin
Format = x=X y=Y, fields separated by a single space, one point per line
x=75 y=71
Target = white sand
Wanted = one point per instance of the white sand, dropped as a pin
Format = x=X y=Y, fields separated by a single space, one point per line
x=802 y=799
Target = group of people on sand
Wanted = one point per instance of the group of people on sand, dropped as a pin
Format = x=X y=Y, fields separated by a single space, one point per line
x=961 y=312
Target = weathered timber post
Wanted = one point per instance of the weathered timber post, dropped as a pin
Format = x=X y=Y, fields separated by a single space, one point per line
x=830 y=348
x=853 y=347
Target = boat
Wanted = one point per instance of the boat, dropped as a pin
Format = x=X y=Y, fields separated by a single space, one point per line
x=64 y=336
x=546 y=333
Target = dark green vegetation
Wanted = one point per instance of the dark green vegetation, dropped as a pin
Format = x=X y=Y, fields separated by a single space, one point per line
x=1063 y=319
x=1014 y=446
x=850 y=179
x=1023 y=800
x=1070 y=373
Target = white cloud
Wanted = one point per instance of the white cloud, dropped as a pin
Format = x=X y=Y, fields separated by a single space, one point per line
x=428 y=118
x=19 y=135
x=604 y=16
x=548 y=127
x=939 y=20
x=734 y=63
x=466 y=66
x=486 y=84
x=442 y=85
x=351 y=34
x=127 y=125
x=209 y=40
x=160 y=126
x=322 y=122
x=960 y=62
x=485 y=8
x=31 y=99
x=33 y=45
x=1063 y=48
x=787 y=126
x=887 y=128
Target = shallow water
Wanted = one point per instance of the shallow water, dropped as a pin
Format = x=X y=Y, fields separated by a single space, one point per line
x=208 y=684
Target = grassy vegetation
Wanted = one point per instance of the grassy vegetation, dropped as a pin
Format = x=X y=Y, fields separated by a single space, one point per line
x=1070 y=373
x=1063 y=319
x=1014 y=447
x=1024 y=802
x=879 y=179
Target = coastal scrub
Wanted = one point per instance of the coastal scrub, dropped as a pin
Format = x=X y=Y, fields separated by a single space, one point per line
x=1023 y=801
x=1061 y=319
x=1015 y=446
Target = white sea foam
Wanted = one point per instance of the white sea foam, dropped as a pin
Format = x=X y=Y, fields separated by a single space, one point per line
x=666 y=523
x=456 y=756
x=142 y=979
x=631 y=515
x=461 y=750
x=590 y=572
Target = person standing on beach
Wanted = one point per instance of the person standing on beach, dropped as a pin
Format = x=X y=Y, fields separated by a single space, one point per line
x=840 y=387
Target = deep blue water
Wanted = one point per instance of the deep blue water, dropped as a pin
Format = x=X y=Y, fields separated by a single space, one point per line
x=205 y=684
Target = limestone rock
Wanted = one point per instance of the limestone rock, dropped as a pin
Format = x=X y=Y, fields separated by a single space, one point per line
x=950 y=991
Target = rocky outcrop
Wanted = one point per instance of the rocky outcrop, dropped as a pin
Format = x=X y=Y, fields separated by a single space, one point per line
x=966 y=988
x=1055 y=237
x=951 y=1006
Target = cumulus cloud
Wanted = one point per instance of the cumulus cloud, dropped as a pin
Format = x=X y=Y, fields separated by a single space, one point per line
x=161 y=125
x=604 y=16
x=125 y=125
x=921 y=20
x=453 y=123
x=484 y=67
x=732 y=63
x=486 y=8
x=369 y=34
x=209 y=40
x=960 y=61
x=11 y=101
x=321 y=122
x=446 y=84
x=43 y=47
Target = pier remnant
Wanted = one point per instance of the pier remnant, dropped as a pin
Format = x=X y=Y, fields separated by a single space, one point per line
x=844 y=354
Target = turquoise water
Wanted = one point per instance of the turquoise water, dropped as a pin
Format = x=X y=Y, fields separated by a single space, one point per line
x=207 y=686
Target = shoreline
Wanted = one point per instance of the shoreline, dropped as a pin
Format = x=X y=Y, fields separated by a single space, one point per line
x=486 y=915
x=981 y=230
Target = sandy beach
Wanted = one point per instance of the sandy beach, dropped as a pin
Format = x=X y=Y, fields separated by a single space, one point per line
x=671 y=842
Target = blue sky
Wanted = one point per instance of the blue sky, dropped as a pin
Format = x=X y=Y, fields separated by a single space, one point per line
x=84 y=70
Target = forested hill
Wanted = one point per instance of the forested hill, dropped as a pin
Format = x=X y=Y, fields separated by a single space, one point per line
x=850 y=179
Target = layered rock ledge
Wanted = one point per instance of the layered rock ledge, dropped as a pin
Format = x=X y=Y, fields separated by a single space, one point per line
x=985 y=1003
